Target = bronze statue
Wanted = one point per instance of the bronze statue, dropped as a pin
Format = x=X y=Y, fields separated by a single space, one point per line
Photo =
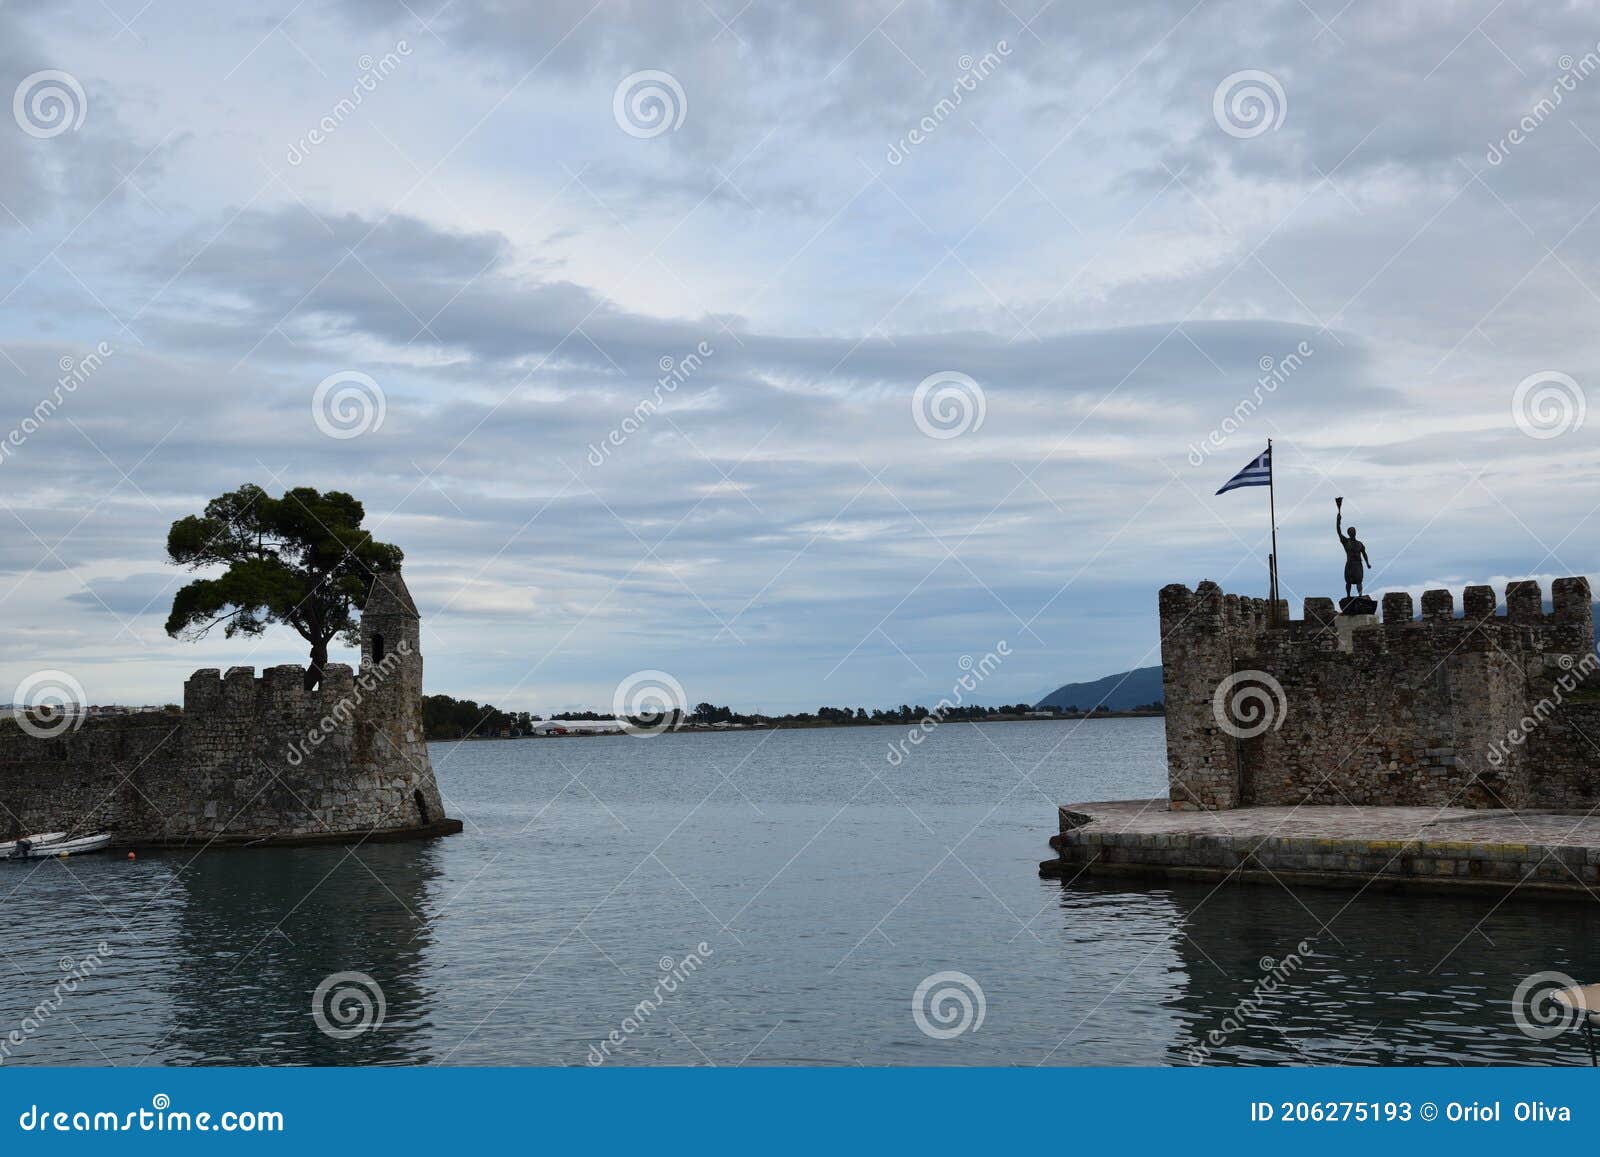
x=1355 y=551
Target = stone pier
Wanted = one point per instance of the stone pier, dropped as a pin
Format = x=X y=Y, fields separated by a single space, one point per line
x=1377 y=848
x=1440 y=750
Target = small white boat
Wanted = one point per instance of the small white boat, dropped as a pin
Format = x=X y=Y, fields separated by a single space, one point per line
x=54 y=844
x=40 y=838
x=1583 y=1001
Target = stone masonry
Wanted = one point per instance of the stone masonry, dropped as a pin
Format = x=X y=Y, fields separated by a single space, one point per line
x=248 y=760
x=1480 y=711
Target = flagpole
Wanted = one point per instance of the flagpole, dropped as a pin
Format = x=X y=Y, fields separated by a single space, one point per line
x=1272 y=509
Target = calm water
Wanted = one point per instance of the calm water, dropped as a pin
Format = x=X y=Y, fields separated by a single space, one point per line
x=826 y=884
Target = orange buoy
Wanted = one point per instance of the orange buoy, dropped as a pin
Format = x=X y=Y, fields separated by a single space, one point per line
x=130 y=855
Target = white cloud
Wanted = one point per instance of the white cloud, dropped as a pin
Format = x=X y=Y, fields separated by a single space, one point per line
x=510 y=267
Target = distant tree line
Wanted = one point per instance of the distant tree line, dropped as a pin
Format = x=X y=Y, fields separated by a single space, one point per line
x=705 y=713
x=445 y=717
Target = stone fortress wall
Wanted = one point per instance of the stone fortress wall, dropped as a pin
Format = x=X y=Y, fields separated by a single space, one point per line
x=1487 y=710
x=249 y=759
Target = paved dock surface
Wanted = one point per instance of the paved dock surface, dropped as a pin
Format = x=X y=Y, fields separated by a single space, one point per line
x=1540 y=851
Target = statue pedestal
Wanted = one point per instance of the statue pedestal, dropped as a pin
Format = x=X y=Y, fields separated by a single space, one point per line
x=1346 y=625
x=1358 y=605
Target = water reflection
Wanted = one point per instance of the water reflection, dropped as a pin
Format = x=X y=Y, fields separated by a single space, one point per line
x=257 y=932
x=1384 y=979
x=532 y=935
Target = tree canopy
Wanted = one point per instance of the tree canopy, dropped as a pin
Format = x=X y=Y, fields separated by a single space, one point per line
x=302 y=560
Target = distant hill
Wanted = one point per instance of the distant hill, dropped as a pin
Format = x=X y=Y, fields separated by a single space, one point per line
x=1116 y=692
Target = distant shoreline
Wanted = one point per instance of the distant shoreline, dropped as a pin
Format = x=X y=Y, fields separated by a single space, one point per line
x=815 y=725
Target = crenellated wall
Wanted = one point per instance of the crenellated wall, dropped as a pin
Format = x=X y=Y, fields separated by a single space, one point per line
x=248 y=758
x=1485 y=710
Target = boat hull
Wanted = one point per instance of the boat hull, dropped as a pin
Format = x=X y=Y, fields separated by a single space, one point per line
x=45 y=846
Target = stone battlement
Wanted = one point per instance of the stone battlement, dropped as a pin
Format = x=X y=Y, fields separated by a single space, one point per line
x=208 y=689
x=1564 y=626
x=1486 y=710
x=250 y=758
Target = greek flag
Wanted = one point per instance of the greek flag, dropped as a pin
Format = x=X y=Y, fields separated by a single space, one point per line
x=1257 y=473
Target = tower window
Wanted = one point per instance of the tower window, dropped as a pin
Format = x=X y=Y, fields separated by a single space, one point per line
x=377 y=648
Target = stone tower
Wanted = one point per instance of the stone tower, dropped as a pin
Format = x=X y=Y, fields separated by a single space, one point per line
x=1482 y=711
x=249 y=761
x=391 y=638
x=391 y=678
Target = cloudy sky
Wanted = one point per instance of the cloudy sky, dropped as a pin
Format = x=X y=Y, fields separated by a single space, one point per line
x=1096 y=228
